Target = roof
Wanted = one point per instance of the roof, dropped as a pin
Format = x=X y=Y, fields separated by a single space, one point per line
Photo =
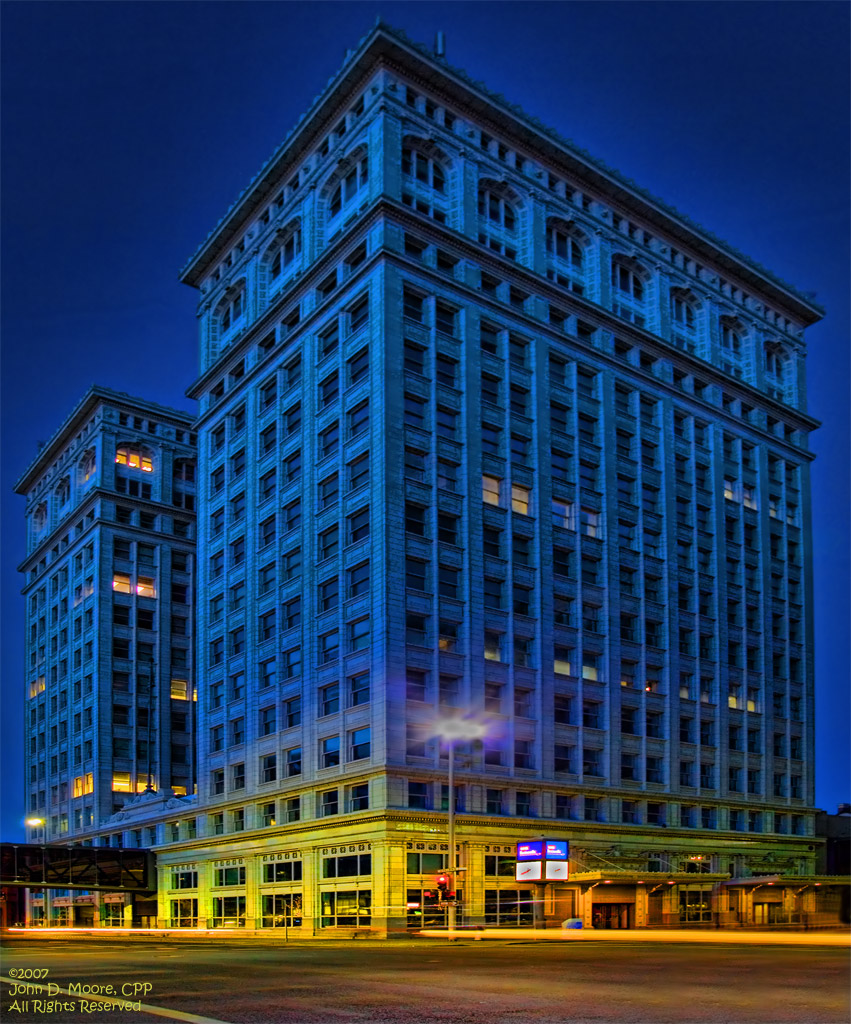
x=95 y=396
x=384 y=41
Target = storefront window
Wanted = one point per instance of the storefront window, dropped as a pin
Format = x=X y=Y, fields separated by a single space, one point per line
x=347 y=909
x=695 y=906
x=508 y=906
x=228 y=912
x=184 y=913
x=281 y=910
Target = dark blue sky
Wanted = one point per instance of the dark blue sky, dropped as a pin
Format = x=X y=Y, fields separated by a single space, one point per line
x=129 y=128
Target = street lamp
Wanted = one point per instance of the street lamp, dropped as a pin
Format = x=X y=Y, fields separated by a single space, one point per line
x=450 y=730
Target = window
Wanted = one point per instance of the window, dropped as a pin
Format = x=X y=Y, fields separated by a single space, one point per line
x=329 y=647
x=329 y=491
x=358 y=579
x=292 y=663
x=497 y=221
x=293 y=759
x=329 y=752
x=565 y=249
x=421 y=170
x=134 y=458
x=415 y=412
x=628 y=293
x=329 y=389
x=412 y=305
x=447 y=423
x=415 y=464
x=358 y=689
x=359 y=744
x=358 y=366
x=329 y=699
x=447 y=475
x=358 y=419
x=445 y=320
x=520 y=499
x=348 y=186
x=416 y=683
x=329 y=440
x=358 y=472
x=358 y=524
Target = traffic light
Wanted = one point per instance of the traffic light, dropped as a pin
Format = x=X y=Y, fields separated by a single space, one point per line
x=444 y=888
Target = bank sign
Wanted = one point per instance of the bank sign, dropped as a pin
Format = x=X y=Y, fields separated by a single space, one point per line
x=542 y=860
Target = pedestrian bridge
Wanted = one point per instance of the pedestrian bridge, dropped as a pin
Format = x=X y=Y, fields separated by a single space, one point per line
x=93 y=868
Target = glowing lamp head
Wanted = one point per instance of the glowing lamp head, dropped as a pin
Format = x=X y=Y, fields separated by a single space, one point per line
x=459 y=729
x=35 y=822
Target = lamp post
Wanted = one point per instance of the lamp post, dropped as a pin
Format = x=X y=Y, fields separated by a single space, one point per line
x=449 y=730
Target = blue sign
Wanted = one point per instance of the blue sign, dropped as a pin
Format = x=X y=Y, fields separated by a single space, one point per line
x=556 y=849
x=530 y=851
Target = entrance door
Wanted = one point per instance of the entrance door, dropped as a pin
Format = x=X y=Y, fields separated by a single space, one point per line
x=612 y=915
x=84 y=916
x=564 y=904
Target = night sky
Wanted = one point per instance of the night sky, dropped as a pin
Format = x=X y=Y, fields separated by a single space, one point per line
x=128 y=129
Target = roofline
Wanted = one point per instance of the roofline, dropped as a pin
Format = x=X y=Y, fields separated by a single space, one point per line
x=96 y=395
x=388 y=41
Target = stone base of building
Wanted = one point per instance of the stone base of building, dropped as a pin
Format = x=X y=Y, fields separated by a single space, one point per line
x=375 y=876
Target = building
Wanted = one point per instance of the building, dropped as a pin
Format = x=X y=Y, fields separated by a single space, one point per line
x=488 y=432
x=109 y=574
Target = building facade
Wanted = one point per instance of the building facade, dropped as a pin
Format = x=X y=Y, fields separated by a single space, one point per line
x=487 y=432
x=109 y=579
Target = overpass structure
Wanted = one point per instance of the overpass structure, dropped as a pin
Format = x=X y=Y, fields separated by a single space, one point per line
x=89 y=868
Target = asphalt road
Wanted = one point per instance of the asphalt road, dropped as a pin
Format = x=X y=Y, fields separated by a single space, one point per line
x=431 y=981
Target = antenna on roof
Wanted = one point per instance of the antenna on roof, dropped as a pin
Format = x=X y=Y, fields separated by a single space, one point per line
x=440 y=45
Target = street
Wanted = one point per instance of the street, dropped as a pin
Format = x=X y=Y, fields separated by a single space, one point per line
x=417 y=982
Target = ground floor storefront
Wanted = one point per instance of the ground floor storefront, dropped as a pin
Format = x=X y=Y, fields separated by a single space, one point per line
x=379 y=876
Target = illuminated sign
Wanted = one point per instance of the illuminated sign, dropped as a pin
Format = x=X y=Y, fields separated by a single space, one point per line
x=556 y=849
x=530 y=872
x=556 y=871
x=530 y=851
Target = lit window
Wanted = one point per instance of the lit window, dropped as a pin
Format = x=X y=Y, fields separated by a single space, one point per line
x=121 y=782
x=490 y=490
x=179 y=689
x=134 y=458
x=121 y=583
x=520 y=497
x=144 y=587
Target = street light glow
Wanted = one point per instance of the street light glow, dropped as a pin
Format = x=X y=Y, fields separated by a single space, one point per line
x=456 y=728
x=35 y=821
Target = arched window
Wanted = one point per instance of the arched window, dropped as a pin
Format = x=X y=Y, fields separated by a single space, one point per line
x=87 y=467
x=348 y=186
x=684 y=319
x=776 y=362
x=63 y=492
x=134 y=458
x=629 y=288
x=285 y=253
x=232 y=310
x=424 y=182
x=566 y=246
x=732 y=338
x=40 y=517
x=498 y=219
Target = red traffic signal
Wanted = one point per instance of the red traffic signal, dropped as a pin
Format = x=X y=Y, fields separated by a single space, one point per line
x=444 y=887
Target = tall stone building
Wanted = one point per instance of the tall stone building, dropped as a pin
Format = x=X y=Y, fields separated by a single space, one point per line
x=489 y=433
x=109 y=578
